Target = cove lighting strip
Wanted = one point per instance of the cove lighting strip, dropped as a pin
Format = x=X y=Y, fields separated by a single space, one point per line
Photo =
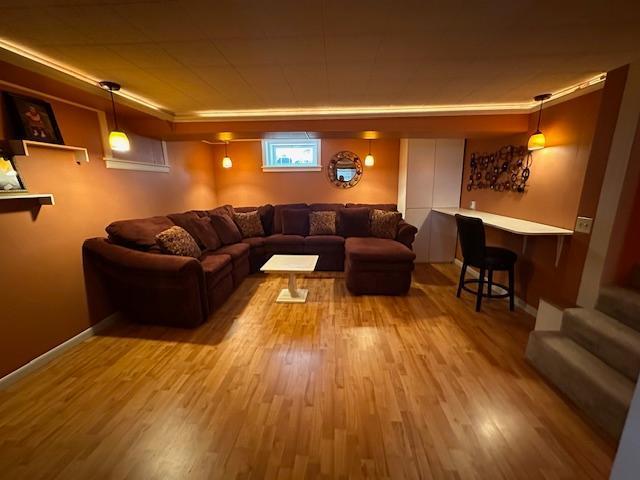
x=312 y=112
x=72 y=72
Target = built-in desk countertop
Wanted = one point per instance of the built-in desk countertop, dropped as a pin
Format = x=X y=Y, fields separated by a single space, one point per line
x=513 y=225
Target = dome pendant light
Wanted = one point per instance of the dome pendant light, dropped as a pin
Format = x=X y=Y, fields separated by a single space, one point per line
x=118 y=140
x=369 y=160
x=537 y=140
x=226 y=161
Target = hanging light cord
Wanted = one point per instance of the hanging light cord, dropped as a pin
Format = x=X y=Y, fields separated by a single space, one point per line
x=369 y=146
x=113 y=106
x=225 y=149
x=539 y=115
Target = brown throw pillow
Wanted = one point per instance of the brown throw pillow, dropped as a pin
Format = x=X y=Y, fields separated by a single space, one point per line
x=354 y=222
x=295 y=221
x=140 y=233
x=322 y=223
x=177 y=241
x=200 y=228
x=249 y=224
x=226 y=229
x=384 y=224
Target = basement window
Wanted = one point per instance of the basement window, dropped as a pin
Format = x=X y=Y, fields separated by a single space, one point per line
x=290 y=155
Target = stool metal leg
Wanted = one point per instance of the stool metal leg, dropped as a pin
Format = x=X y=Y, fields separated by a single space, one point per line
x=463 y=272
x=480 y=289
x=511 y=289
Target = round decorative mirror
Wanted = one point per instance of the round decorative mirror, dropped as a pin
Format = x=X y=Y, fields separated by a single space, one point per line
x=345 y=169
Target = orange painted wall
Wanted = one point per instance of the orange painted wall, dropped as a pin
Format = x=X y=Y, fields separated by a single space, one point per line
x=42 y=281
x=247 y=184
x=565 y=182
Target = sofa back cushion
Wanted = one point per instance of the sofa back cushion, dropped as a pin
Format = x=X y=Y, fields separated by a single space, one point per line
x=354 y=222
x=200 y=228
x=139 y=233
x=384 y=224
x=222 y=210
x=226 y=229
x=266 y=216
x=249 y=224
x=295 y=221
x=177 y=241
x=277 y=214
x=389 y=207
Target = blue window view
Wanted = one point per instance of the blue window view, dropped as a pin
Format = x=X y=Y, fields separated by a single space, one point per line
x=291 y=154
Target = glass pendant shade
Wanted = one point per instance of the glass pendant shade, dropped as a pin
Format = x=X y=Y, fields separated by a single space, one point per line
x=226 y=162
x=119 y=142
x=536 y=141
x=369 y=160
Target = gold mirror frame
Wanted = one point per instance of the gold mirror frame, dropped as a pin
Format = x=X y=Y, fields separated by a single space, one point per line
x=332 y=171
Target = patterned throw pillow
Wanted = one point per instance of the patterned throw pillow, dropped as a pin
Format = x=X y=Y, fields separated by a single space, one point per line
x=322 y=223
x=385 y=224
x=249 y=224
x=177 y=241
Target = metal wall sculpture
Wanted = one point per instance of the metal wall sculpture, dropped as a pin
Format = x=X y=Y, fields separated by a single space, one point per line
x=506 y=170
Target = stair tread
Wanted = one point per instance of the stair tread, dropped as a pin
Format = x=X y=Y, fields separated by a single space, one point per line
x=621 y=303
x=598 y=372
x=612 y=341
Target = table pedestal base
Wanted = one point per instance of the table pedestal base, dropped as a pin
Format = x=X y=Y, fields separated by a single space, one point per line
x=292 y=294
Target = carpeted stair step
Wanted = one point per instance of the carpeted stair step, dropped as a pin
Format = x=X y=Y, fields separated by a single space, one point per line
x=602 y=392
x=611 y=341
x=623 y=304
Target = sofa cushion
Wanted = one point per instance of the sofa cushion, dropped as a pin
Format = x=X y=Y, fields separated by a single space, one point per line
x=322 y=223
x=254 y=242
x=266 y=216
x=177 y=241
x=323 y=243
x=200 y=228
x=384 y=224
x=222 y=210
x=236 y=251
x=295 y=221
x=389 y=207
x=354 y=222
x=377 y=250
x=325 y=207
x=139 y=233
x=277 y=214
x=249 y=224
x=226 y=229
x=282 y=239
x=215 y=267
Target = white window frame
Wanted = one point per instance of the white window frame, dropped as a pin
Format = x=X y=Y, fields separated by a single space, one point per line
x=267 y=144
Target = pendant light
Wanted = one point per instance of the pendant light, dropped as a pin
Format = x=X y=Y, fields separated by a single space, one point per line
x=537 y=140
x=226 y=161
x=369 y=160
x=118 y=140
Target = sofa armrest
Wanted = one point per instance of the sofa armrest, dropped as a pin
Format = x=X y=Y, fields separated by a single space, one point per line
x=406 y=233
x=148 y=287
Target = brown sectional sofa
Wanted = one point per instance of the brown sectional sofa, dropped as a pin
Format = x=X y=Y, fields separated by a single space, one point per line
x=128 y=272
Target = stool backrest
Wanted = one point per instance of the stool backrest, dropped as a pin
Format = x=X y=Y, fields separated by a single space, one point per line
x=472 y=239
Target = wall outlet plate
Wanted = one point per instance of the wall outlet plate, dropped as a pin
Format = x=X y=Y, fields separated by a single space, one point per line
x=583 y=224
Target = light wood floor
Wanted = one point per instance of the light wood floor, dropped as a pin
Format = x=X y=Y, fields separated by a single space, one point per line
x=342 y=386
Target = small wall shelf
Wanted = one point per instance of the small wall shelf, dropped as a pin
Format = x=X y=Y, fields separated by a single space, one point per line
x=40 y=198
x=21 y=147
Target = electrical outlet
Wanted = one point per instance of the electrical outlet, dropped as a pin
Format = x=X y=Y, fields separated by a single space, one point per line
x=583 y=224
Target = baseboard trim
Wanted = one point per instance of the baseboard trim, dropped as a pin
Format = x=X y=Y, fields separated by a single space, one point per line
x=50 y=355
x=518 y=301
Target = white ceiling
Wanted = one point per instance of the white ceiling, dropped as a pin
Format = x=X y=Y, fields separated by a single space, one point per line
x=190 y=56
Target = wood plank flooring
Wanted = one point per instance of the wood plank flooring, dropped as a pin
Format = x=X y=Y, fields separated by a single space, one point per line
x=340 y=387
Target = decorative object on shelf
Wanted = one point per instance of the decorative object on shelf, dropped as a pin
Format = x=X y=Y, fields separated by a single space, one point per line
x=506 y=170
x=537 y=140
x=32 y=119
x=10 y=181
x=226 y=160
x=118 y=140
x=345 y=169
x=369 y=160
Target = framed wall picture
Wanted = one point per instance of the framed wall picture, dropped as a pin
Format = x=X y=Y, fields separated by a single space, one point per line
x=32 y=119
x=10 y=180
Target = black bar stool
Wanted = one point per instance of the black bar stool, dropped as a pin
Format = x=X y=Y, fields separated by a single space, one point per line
x=475 y=253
